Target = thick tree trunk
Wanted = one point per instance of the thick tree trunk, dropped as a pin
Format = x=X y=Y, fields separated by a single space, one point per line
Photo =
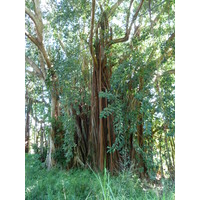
x=81 y=135
x=50 y=162
x=55 y=131
x=101 y=129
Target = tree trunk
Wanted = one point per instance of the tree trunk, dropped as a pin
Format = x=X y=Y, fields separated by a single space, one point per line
x=101 y=130
x=55 y=131
x=27 y=126
x=161 y=162
x=140 y=131
x=172 y=149
x=169 y=163
x=41 y=139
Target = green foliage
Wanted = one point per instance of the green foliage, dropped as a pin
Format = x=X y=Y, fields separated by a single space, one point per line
x=85 y=184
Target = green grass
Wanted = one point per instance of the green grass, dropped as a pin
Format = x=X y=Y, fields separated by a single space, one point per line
x=78 y=184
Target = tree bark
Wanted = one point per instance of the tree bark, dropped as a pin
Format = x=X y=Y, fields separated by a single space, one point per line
x=101 y=133
x=101 y=130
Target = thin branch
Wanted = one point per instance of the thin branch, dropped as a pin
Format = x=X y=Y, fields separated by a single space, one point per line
x=150 y=10
x=31 y=15
x=128 y=14
x=128 y=30
x=172 y=71
x=36 y=101
x=114 y=7
x=33 y=73
x=37 y=120
x=32 y=38
x=34 y=66
x=135 y=17
x=62 y=45
x=166 y=53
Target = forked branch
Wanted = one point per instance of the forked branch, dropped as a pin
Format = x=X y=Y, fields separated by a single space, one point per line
x=128 y=28
x=31 y=15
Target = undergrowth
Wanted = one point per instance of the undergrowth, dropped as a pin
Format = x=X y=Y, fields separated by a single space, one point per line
x=78 y=184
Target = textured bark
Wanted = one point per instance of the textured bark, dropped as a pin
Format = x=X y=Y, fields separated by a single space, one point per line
x=50 y=162
x=101 y=134
x=54 y=116
x=81 y=136
x=101 y=130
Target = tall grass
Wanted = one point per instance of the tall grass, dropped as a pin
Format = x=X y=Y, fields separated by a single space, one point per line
x=85 y=184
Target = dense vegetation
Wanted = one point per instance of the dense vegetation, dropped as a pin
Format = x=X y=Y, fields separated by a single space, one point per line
x=100 y=98
x=85 y=184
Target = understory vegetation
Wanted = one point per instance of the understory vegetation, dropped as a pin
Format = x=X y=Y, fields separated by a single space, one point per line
x=85 y=184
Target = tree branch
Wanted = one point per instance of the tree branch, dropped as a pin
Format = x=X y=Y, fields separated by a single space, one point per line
x=42 y=64
x=172 y=71
x=41 y=48
x=62 y=45
x=31 y=15
x=33 y=39
x=114 y=7
x=135 y=17
x=33 y=73
x=92 y=33
x=35 y=67
x=35 y=100
x=158 y=60
x=37 y=9
x=128 y=30
x=128 y=15
x=37 y=120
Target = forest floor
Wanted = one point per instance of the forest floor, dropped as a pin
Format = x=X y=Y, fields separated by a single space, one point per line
x=78 y=184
